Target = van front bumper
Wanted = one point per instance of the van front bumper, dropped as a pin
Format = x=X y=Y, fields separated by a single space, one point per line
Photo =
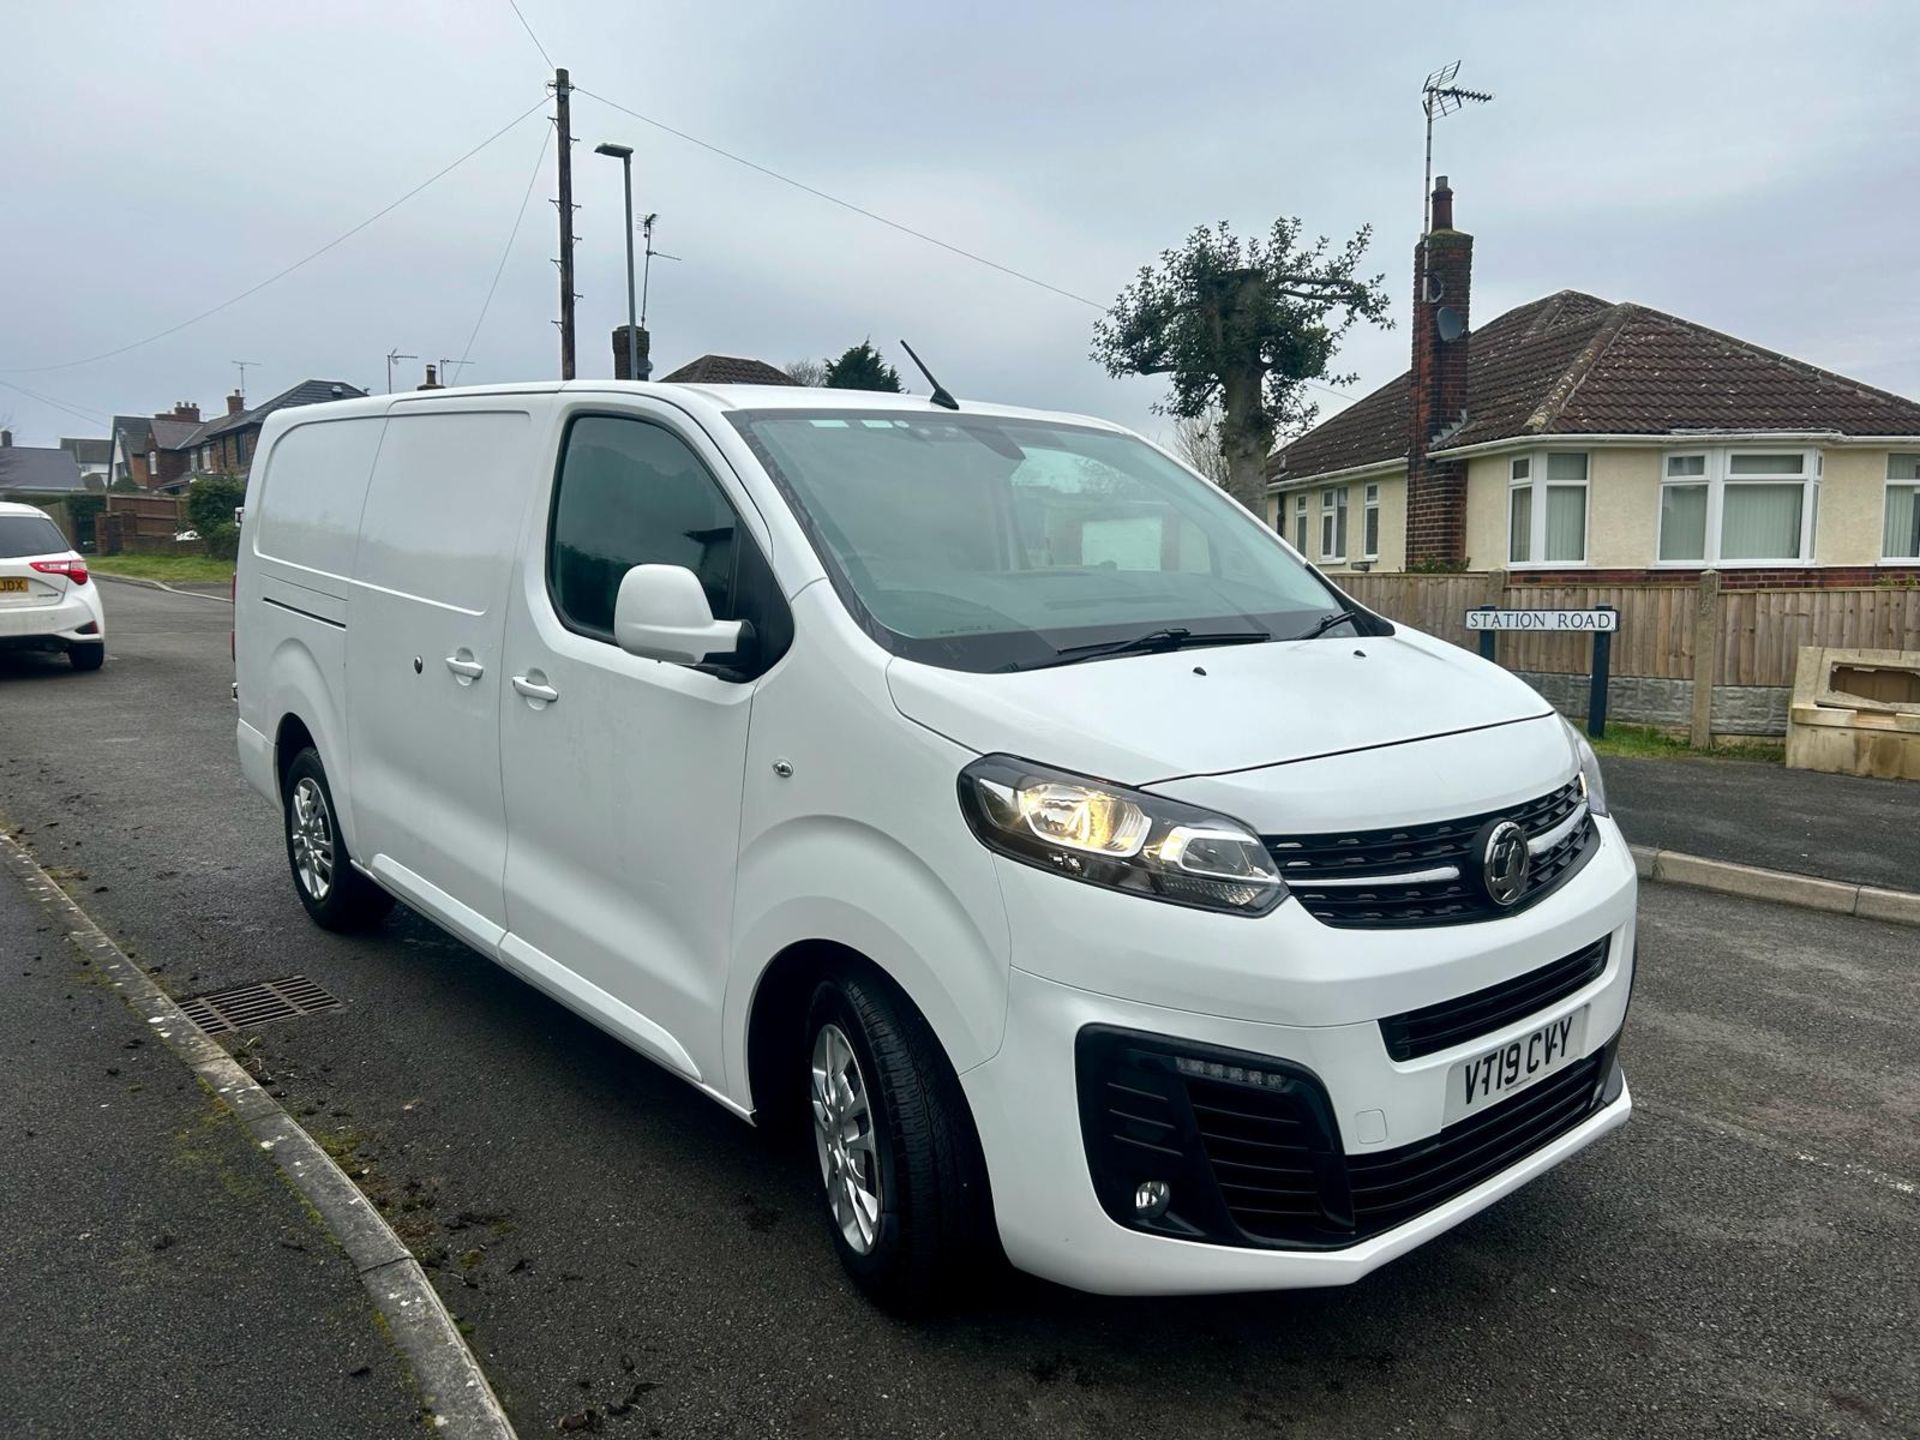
x=1042 y=1103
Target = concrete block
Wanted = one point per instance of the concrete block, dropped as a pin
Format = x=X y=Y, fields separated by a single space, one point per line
x=1902 y=907
x=1755 y=884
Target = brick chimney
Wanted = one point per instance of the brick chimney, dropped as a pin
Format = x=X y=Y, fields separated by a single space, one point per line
x=620 y=354
x=236 y=402
x=182 y=410
x=1437 y=490
x=433 y=381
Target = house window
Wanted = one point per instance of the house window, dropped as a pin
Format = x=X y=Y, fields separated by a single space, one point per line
x=1333 y=524
x=1300 y=522
x=1902 y=540
x=1738 y=507
x=1547 y=508
x=1370 y=532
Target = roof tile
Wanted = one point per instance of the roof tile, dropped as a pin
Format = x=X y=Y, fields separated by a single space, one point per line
x=1572 y=364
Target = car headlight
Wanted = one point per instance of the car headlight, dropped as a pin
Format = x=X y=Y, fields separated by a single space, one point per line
x=1591 y=785
x=1123 y=839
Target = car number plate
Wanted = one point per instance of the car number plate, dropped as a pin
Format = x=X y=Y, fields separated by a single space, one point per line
x=13 y=584
x=1474 y=1085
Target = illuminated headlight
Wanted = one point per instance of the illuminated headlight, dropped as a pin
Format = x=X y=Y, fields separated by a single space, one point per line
x=1591 y=785
x=1123 y=839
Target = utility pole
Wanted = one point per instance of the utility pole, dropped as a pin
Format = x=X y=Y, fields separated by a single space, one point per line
x=562 y=119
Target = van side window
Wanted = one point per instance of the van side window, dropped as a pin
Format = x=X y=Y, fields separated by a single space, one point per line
x=631 y=493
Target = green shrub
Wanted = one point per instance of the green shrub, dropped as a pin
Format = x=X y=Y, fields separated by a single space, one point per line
x=211 y=501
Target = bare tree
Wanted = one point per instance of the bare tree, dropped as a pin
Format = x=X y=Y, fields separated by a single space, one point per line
x=1196 y=440
x=807 y=372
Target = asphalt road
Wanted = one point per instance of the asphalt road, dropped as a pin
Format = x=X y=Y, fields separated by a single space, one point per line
x=1839 y=827
x=1742 y=1259
x=134 y=1206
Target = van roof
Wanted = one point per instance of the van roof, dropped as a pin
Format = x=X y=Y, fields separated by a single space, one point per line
x=711 y=399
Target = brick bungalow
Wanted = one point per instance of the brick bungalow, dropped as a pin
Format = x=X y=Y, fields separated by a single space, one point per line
x=1587 y=441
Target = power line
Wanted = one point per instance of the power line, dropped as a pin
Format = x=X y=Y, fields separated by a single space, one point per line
x=282 y=274
x=77 y=411
x=514 y=234
x=862 y=210
x=531 y=36
x=843 y=204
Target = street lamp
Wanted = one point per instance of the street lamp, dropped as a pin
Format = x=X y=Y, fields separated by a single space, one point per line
x=624 y=154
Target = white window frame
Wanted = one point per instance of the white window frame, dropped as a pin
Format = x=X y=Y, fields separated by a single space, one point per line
x=1535 y=482
x=1370 y=522
x=1333 y=525
x=1886 y=502
x=1717 y=478
x=1300 y=523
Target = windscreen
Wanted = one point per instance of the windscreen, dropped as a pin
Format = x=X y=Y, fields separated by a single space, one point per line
x=981 y=543
x=30 y=535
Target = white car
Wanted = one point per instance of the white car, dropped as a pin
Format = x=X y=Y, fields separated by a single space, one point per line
x=47 y=601
x=977 y=788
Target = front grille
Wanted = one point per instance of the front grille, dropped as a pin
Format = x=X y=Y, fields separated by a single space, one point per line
x=1428 y=874
x=1393 y=1186
x=1251 y=1152
x=1451 y=1022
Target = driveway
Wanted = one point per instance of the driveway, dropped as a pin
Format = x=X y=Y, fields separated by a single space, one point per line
x=1741 y=1259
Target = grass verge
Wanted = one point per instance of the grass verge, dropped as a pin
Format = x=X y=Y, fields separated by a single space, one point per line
x=1649 y=742
x=174 y=569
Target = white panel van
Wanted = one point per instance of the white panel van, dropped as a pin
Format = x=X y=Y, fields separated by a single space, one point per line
x=977 y=790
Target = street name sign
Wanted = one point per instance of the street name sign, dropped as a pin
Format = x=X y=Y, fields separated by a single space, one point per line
x=1584 y=622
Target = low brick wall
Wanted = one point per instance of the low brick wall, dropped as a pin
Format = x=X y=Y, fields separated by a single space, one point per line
x=1649 y=700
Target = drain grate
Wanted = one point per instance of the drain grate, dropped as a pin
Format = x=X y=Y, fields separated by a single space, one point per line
x=242 y=1008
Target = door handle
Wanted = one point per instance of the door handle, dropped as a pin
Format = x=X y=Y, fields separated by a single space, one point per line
x=534 y=689
x=462 y=663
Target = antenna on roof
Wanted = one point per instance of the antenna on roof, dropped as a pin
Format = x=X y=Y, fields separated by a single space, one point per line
x=243 y=366
x=1439 y=97
x=646 y=267
x=940 y=395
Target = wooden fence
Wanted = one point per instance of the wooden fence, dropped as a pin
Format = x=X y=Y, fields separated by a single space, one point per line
x=146 y=525
x=1750 y=638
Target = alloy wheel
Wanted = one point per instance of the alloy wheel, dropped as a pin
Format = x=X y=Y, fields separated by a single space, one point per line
x=310 y=836
x=843 y=1135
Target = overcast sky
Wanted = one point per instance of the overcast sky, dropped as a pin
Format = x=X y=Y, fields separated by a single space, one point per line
x=1752 y=166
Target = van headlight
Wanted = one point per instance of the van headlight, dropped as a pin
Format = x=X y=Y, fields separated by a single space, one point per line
x=1123 y=839
x=1591 y=785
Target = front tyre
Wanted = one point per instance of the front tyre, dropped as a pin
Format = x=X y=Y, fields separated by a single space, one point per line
x=336 y=895
x=902 y=1177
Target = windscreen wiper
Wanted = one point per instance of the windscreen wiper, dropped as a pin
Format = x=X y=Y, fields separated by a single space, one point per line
x=1154 y=642
x=1326 y=623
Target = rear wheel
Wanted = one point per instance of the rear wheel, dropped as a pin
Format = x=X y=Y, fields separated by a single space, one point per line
x=336 y=895
x=902 y=1177
x=87 y=657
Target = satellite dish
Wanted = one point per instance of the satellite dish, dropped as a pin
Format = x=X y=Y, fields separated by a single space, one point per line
x=1450 y=323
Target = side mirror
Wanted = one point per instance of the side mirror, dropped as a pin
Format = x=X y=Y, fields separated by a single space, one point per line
x=661 y=613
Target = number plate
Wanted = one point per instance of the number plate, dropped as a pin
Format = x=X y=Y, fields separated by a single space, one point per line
x=1474 y=1085
x=13 y=584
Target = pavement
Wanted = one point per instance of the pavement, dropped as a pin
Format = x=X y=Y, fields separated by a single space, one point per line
x=1739 y=1260
x=133 y=1207
x=1838 y=827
